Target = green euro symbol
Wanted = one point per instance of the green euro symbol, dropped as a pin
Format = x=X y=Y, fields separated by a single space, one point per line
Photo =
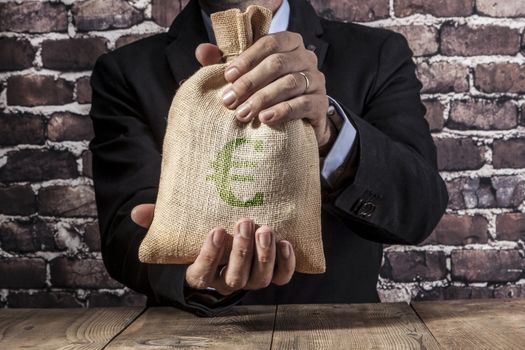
x=223 y=176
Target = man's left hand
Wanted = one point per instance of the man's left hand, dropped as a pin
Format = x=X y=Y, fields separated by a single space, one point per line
x=266 y=81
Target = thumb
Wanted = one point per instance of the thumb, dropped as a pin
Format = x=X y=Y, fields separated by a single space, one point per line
x=142 y=214
x=208 y=54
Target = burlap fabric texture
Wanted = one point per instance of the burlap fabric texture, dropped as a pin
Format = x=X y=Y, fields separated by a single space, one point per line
x=216 y=170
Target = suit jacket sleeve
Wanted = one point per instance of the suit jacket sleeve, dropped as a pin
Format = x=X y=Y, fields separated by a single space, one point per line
x=395 y=194
x=126 y=172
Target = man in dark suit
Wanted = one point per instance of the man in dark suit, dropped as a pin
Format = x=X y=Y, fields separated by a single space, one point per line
x=358 y=89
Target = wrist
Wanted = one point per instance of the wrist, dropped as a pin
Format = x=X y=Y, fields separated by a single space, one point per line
x=330 y=137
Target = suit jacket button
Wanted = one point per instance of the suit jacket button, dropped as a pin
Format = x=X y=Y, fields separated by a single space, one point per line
x=367 y=209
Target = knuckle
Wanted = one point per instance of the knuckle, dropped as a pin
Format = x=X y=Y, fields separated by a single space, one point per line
x=307 y=104
x=312 y=57
x=244 y=84
x=244 y=63
x=277 y=62
x=258 y=100
x=235 y=283
x=197 y=282
x=322 y=78
x=264 y=258
x=208 y=258
x=291 y=82
x=296 y=37
x=271 y=44
x=242 y=253
x=287 y=108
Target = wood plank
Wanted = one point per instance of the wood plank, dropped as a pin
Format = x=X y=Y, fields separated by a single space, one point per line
x=243 y=327
x=62 y=328
x=475 y=324
x=344 y=326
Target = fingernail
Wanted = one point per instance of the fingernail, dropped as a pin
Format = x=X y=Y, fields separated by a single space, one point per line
x=265 y=239
x=231 y=73
x=266 y=116
x=285 y=250
x=229 y=97
x=243 y=110
x=218 y=238
x=246 y=229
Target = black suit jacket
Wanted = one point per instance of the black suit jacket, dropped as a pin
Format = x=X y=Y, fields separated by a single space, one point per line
x=396 y=197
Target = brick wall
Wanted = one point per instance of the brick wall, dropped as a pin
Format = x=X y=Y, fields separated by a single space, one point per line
x=470 y=56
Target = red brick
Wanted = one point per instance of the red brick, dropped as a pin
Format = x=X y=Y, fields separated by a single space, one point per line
x=34 y=90
x=17 y=200
x=510 y=291
x=458 y=154
x=509 y=153
x=423 y=40
x=510 y=226
x=23 y=236
x=459 y=230
x=130 y=38
x=83 y=90
x=65 y=126
x=443 y=8
x=33 y=17
x=467 y=292
x=92 y=236
x=352 y=10
x=100 y=15
x=434 y=115
x=38 y=165
x=67 y=201
x=467 y=193
x=22 y=273
x=15 y=54
x=87 y=164
x=510 y=191
x=414 y=265
x=463 y=40
x=501 y=8
x=500 y=191
x=443 y=77
x=47 y=299
x=163 y=12
x=483 y=114
x=85 y=273
x=19 y=129
x=500 y=77
x=486 y=265
x=454 y=293
x=72 y=54
x=104 y=299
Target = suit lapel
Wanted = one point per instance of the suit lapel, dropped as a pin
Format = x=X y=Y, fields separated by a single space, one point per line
x=304 y=20
x=185 y=34
x=188 y=31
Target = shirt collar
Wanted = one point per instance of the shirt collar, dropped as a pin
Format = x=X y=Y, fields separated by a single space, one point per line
x=279 y=23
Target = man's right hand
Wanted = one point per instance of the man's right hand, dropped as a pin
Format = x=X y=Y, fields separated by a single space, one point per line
x=255 y=261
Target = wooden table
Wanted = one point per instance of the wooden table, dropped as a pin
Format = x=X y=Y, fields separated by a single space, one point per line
x=461 y=324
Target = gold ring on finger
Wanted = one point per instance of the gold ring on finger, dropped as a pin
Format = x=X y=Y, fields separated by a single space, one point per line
x=307 y=82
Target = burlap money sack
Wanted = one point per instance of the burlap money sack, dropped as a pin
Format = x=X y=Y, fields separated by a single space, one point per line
x=216 y=170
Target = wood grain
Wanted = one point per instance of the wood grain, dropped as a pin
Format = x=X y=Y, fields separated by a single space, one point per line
x=62 y=328
x=243 y=327
x=343 y=326
x=475 y=324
